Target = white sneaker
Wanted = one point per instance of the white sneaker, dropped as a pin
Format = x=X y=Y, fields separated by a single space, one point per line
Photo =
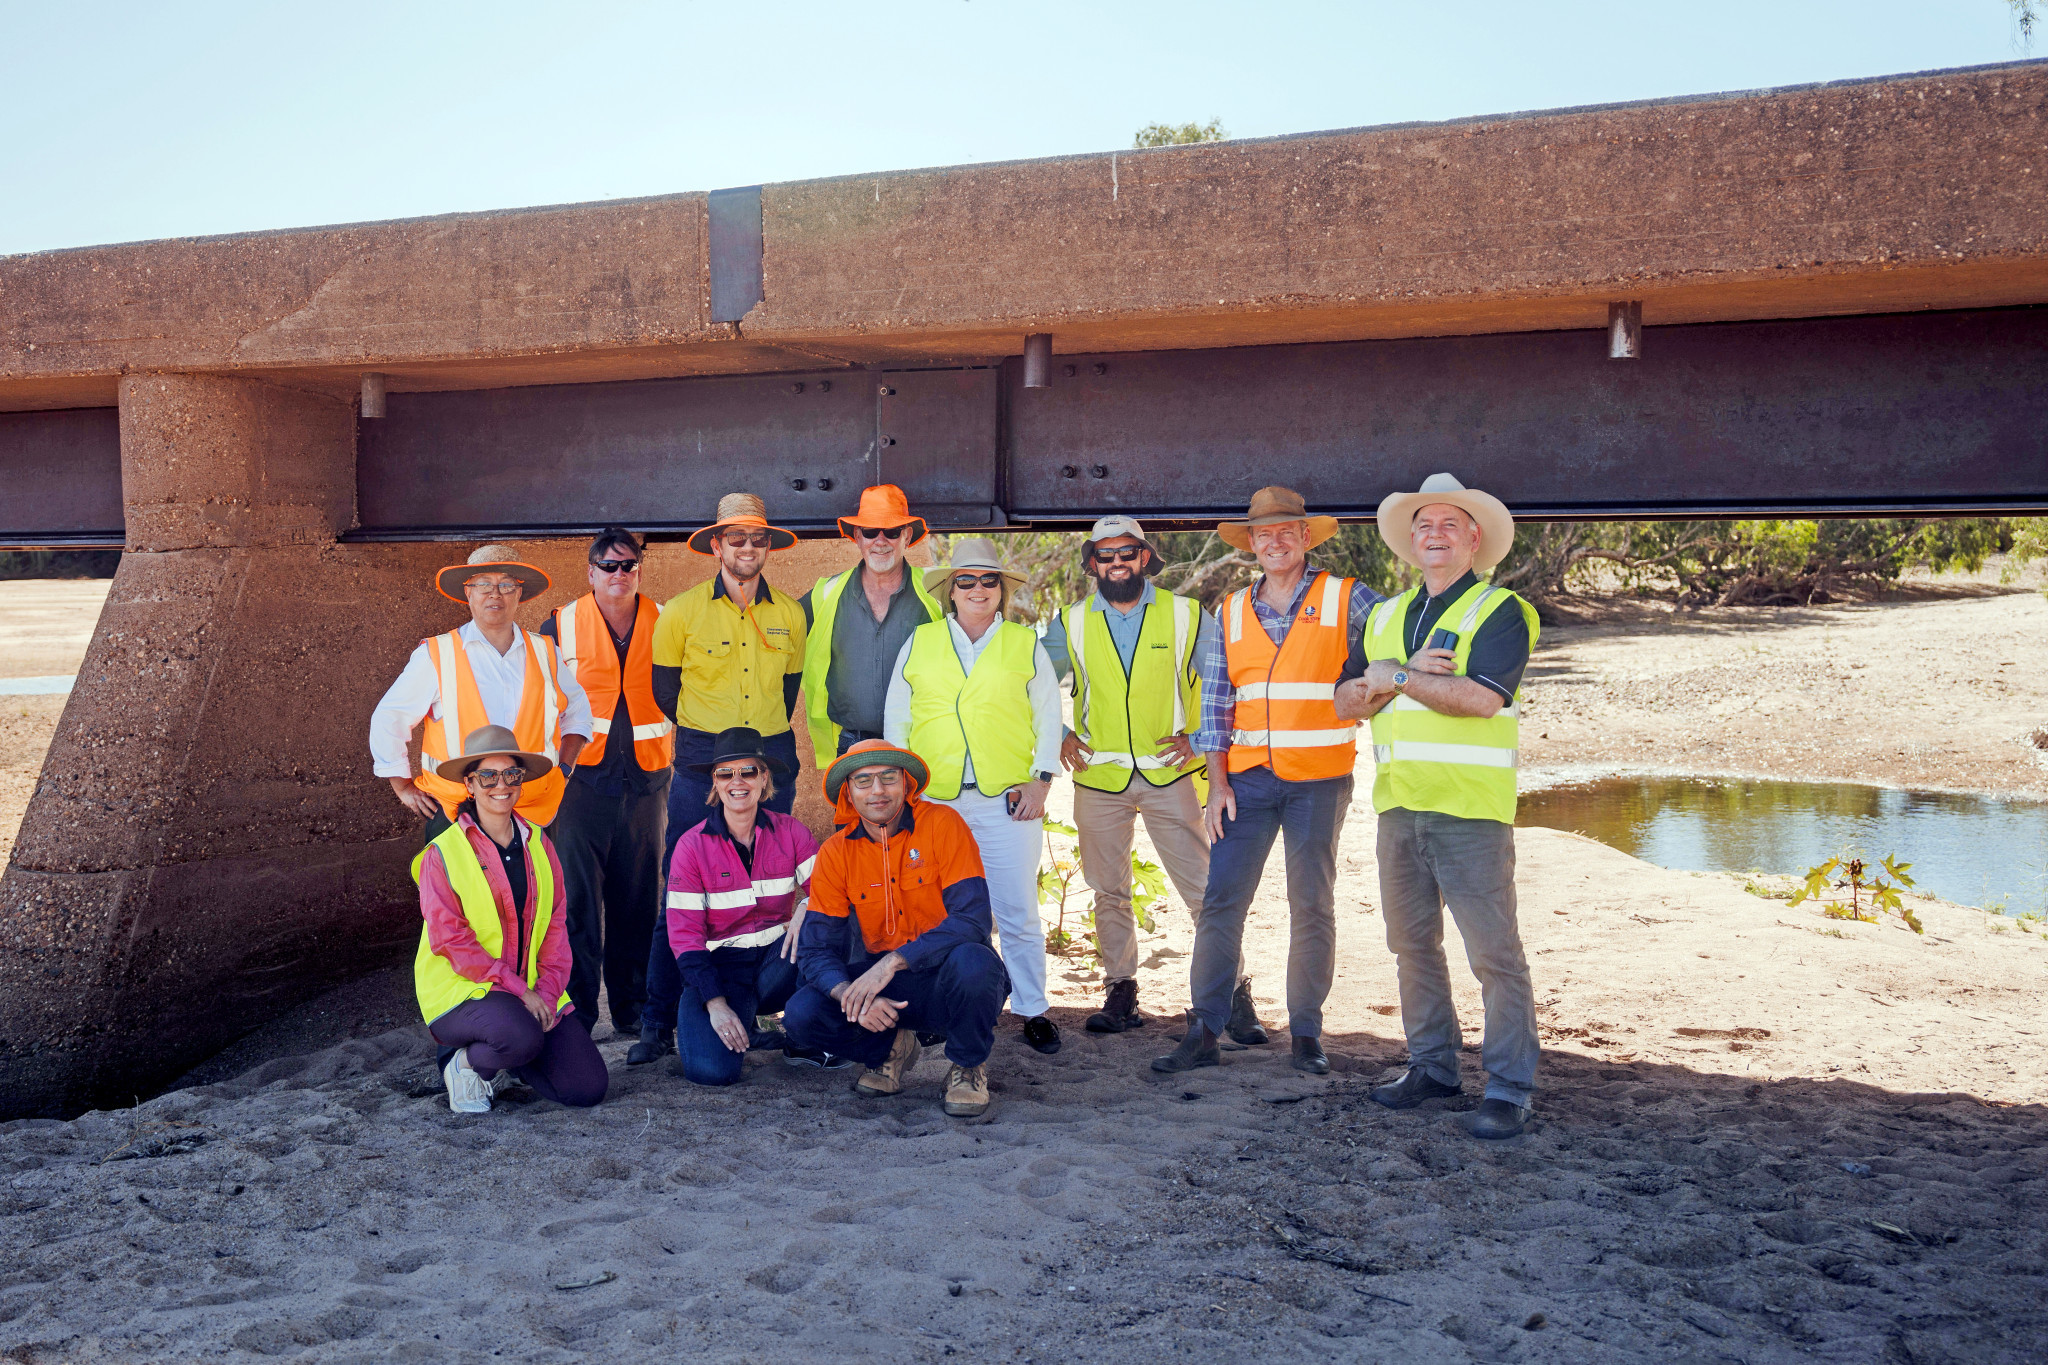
x=468 y=1093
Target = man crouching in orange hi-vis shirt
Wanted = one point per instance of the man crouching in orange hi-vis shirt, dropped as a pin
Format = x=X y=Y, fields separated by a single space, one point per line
x=906 y=873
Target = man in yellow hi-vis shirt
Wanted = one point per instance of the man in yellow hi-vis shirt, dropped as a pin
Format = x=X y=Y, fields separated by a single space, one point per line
x=728 y=652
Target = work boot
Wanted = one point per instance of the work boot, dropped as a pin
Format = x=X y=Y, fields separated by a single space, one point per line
x=1198 y=1048
x=1119 y=1011
x=655 y=1043
x=1415 y=1086
x=468 y=1091
x=967 y=1091
x=1244 y=1026
x=887 y=1079
x=1497 y=1119
x=1309 y=1056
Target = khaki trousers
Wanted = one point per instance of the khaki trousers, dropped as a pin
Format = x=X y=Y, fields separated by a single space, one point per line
x=1108 y=821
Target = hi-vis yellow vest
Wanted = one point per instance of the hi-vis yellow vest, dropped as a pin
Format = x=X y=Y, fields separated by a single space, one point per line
x=440 y=987
x=985 y=714
x=825 y=599
x=1124 y=718
x=1456 y=765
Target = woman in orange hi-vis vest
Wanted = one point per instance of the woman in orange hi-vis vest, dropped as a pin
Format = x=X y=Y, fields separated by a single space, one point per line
x=486 y=672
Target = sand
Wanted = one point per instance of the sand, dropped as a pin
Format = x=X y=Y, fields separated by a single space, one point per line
x=45 y=625
x=1761 y=1135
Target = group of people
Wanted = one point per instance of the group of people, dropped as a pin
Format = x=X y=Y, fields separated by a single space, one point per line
x=654 y=745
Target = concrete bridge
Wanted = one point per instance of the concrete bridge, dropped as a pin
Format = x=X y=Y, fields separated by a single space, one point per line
x=1813 y=301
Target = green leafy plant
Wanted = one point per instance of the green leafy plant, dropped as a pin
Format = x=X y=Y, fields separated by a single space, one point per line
x=1871 y=890
x=1059 y=880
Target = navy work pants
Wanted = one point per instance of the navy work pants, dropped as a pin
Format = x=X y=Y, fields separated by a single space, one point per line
x=706 y=1058
x=959 y=996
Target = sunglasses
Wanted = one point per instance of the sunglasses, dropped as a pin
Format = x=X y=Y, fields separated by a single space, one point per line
x=760 y=540
x=968 y=580
x=488 y=778
x=748 y=773
x=891 y=532
x=615 y=565
x=1125 y=555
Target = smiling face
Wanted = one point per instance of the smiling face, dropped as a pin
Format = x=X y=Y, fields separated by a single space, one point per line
x=742 y=551
x=1119 y=577
x=878 y=792
x=879 y=551
x=618 y=587
x=740 y=784
x=981 y=599
x=501 y=796
x=1444 y=538
x=1281 y=547
x=493 y=598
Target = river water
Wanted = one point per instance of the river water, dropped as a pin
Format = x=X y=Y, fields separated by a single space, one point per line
x=1973 y=850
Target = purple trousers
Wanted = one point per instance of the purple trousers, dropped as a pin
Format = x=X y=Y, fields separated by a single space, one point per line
x=561 y=1063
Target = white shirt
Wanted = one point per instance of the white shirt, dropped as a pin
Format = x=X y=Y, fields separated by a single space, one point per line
x=500 y=682
x=1043 y=691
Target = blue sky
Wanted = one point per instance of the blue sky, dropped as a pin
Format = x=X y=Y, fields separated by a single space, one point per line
x=127 y=120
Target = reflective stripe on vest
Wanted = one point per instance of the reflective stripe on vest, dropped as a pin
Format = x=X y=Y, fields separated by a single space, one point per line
x=1154 y=701
x=1455 y=765
x=587 y=649
x=1285 y=711
x=538 y=726
x=985 y=715
x=825 y=599
x=438 y=985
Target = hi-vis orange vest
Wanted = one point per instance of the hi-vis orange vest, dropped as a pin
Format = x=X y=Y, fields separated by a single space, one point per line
x=538 y=729
x=1286 y=713
x=587 y=649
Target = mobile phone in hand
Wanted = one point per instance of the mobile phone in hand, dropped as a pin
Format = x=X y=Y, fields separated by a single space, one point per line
x=1444 y=639
x=1010 y=800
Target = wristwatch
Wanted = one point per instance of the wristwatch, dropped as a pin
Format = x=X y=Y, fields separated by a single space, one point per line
x=1043 y=777
x=1400 y=678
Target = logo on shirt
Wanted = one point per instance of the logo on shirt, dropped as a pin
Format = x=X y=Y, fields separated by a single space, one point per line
x=1308 y=612
x=916 y=857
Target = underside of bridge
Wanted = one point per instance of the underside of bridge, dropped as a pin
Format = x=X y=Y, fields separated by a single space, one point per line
x=1826 y=300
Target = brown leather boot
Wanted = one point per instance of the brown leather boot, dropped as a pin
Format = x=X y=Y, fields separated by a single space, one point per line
x=967 y=1091
x=887 y=1079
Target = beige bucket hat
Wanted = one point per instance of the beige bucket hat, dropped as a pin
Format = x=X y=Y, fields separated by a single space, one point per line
x=741 y=509
x=532 y=582
x=492 y=741
x=973 y=554
x=1496 y=523
x=1271 y=506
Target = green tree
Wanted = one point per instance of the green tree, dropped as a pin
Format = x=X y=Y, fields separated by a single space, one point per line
x=1176 y=134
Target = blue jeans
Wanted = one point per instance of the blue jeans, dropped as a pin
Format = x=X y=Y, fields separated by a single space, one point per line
x=1310 y=816
x=706 y=1058
x=687 y=809
x=959 y=996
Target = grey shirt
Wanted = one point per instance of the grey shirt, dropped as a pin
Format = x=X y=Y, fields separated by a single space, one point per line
x=864 y=651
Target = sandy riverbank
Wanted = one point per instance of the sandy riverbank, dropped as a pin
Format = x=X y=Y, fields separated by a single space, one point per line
x=1720 y=1070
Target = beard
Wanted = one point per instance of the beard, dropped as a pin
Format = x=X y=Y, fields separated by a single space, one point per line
x=1121 y=591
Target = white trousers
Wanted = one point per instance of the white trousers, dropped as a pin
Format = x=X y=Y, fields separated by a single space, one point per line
x=1010 y=851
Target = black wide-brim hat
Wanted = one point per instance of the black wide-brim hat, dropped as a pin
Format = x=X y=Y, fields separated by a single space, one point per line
x=742 y=741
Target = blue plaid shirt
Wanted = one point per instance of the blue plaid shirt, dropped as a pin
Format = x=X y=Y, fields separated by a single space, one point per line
x=1219 y=698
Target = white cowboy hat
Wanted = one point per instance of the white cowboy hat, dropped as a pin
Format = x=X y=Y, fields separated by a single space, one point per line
x=1496 y=523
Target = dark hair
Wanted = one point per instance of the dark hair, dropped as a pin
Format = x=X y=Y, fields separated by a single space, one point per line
x=615 y=538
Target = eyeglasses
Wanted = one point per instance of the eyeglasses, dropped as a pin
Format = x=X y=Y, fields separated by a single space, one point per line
x=615 y=565
x=968 y=580
x=1123 y=555
x=748 y=773
x=488 y=778
x=891 y=532
x=760 y=540
x=492 y=587
x=887 y=777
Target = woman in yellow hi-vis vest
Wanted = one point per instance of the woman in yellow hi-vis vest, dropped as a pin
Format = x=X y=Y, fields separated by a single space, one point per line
x=493 y=960
x=976 y=698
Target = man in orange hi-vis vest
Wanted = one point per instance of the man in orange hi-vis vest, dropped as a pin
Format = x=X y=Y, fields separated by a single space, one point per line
x=1280 y=763
x=609 y=831
x=486 y=672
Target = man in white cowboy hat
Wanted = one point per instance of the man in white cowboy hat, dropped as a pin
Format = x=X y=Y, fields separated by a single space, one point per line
x=975 y=697
x=1132 y=652
x=1447 y=660
x=1280 y=761
x=487 y=672
x=609 y=830
x=850 y=653
x=728 y=653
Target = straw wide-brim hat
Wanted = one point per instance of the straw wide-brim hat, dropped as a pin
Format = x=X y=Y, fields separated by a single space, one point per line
x=1496 y=523
x=492 y=741
x=872 y=753
x=532 y=582
x=741 y=509
x=1270 y=507
x=972 y=554
x=883 y=507
x=1117 y=524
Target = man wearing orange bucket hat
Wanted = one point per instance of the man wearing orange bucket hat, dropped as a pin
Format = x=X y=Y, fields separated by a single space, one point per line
x=486 y=672
x=855 y=637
